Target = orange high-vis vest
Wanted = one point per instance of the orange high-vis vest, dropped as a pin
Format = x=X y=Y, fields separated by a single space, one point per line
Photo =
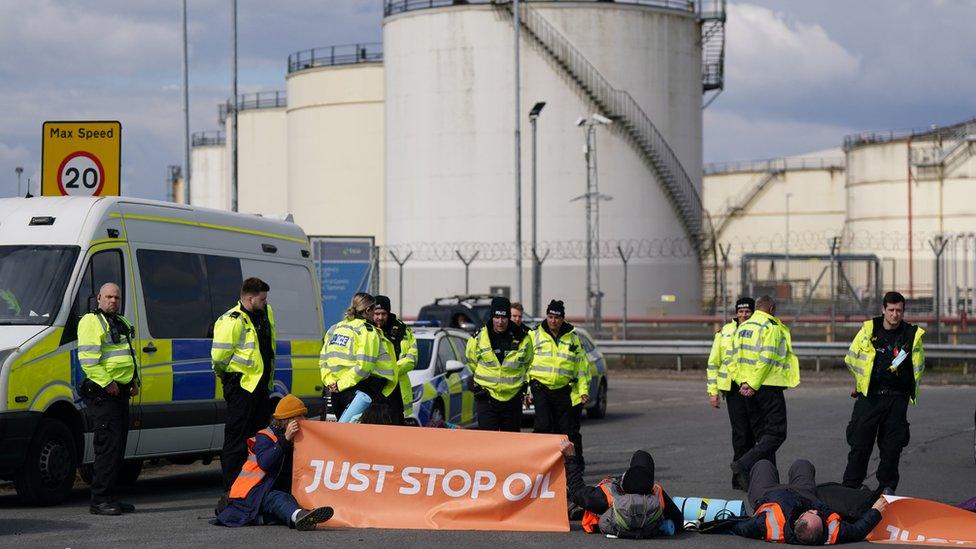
x=776 y=524
x=252 y=473
x=591 y=520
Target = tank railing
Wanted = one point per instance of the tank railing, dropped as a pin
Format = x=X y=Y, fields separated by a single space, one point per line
x=620 y=106
x=327 y=56
x=201 y=139
x=939 y=155
x=823 y=163
x=257 y=100
x=867 y=138
x=393 y=7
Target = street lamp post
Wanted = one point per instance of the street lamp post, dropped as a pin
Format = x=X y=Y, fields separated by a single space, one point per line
x=19 y=170
x=536 y=264
x=233 y=106
x=518 y=154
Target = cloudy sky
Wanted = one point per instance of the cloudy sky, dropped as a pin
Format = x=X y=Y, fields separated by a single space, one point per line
x=800 y=74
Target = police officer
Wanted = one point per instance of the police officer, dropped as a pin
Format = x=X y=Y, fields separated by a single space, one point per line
x=404 y=351
x=108 y=360
x=559 y=365
x=498 y=358
x=763 y=367
x=243 y=356
x=356 y=356
x=518 y=311
x=719 y=381
x=887 y=360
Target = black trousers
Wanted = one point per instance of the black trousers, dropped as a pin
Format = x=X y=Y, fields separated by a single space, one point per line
x=498 y=415
x=553 y=409
x=764 y=477
x=574 y=431
x=767 y=414
x=743 y=425
x=340 y=400
x=247 y=413
x=395 y=402
x=881 y=418
x=110 y=416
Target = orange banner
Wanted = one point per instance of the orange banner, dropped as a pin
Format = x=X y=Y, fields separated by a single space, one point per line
x=911 y=521
x=377 y=476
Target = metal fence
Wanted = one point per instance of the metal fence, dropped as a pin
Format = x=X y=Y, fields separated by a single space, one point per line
x=774 y=164
x=327 y=56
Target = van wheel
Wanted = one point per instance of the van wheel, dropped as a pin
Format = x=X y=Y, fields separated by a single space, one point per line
x=49 y=471
x=599 y=409
x=130 y=472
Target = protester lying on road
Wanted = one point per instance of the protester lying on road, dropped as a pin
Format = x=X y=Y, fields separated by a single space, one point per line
x=630 y=506
x=792 y=513
x=261 y=494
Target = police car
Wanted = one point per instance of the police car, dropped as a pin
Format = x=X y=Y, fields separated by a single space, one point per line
x=441 y=379
x=597 y=407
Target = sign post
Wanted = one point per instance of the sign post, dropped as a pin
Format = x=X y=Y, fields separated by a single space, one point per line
x=81 y=159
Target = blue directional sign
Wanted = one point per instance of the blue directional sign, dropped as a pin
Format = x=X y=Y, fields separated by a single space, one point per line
x=344 y=266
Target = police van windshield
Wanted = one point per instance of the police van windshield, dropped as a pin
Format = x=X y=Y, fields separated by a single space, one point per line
x=32 y=282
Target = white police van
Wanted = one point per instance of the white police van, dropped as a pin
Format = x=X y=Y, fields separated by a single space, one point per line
x=179 y=268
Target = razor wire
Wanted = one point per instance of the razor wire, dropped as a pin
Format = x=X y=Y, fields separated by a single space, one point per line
x=556 y=249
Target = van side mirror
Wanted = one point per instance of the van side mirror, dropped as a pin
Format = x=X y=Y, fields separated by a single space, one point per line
x=454 y=366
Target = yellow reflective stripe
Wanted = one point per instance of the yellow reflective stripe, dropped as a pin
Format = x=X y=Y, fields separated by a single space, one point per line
x=502 y=380
x=383 y=372
x=747 y=361
x=552 y=370
x=119 y=352
x=723 y=375
x=711 y=382
x=209 y=226
x=242 y=361
x=773 y=362
x=222 y=345
x=89 y=348
x=856 y=369
x=88 y=361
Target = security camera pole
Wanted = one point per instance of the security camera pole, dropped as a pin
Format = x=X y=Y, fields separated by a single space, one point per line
x=594 y=295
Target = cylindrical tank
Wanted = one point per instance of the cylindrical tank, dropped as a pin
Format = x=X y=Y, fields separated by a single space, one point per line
x=335 y=141
x=450 y=125
x=754 y=203
x=209 y=175
x=262 y=185
x=905 y=189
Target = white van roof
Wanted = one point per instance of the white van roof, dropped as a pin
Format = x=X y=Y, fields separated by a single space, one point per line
x=81 y=220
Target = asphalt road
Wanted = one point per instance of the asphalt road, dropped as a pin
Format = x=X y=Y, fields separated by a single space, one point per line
x=669 y=418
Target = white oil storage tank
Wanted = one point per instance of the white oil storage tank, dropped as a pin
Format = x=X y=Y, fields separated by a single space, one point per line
x=906 y=189
x=262 y=185
x=450 y=173
x=335 y=140
x=209 y=173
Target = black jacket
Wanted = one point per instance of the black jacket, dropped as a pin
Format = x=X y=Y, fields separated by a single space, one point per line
x=793 y=505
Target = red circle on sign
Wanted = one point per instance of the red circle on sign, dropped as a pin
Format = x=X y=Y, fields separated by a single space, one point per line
x=90 y=156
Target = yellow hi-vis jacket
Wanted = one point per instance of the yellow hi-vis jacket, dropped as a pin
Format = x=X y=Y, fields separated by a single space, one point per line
x=502 y=380
x=236 y=348
x=557 y=364
x=354 y=350
x=102 y=360
x=404 y=365
x=717 y=373
x=860 y=357
x=763 y=351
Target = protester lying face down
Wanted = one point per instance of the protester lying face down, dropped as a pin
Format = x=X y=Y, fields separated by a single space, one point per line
x=631 y=506
x=253 y=498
